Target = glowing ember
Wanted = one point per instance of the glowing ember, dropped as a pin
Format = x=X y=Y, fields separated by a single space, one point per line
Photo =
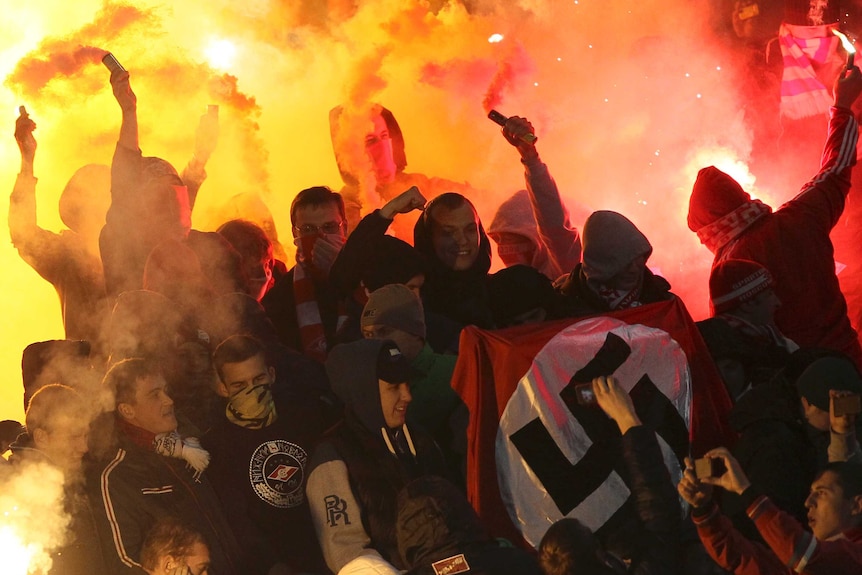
x=17 y=557
x=494 y=38
x=220 y=54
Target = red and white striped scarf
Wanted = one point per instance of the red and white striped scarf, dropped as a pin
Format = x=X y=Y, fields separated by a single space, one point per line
x=311 y=330
x=804 y=50
x=728 y=227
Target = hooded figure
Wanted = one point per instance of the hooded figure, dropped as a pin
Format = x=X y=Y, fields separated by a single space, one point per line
x=613 y=274
x=358 y=470
x=370 y=152
x=459 y=294
x=792 y=243
x=69 y=259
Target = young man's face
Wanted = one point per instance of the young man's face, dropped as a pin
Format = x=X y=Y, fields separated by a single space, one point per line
x=152 y=408
x=258 y=273
x=320 y=223
x=816 y=417
x=378 y=146
x=239 y=376
x=455 y=236
x=394 y=399
x=762 y=307
x=65 y=443
x=829 y=512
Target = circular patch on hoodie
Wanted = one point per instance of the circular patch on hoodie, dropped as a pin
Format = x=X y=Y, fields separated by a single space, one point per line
x=277 y=473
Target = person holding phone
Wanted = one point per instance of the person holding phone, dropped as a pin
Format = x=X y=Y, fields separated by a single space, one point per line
x=833 y=545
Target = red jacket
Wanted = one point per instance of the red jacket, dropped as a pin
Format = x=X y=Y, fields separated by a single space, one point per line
x=789 y=545
x=793 y=244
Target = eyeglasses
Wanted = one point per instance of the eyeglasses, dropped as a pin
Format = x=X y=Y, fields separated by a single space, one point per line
x=311 y=229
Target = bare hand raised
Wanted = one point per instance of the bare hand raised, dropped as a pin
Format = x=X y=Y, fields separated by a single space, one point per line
x=123 y=91
x=407 y=201
x=847 y=87
x=615 y=402
x=514 y=130
x=693 y=490
x=733 y=479
x=24 y=127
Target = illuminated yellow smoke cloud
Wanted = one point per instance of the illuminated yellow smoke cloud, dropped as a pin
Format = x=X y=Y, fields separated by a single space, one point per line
x=623 y=95
x=32 y=522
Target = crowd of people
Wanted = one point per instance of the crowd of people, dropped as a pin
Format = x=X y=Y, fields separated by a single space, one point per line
x=213 y=411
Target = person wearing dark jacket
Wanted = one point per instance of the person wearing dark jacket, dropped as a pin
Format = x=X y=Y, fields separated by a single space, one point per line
x=259 y=463
x=569 y=548
x=451 y=237
x=70 y=259
x=58 y=422
x=370 y=259
x=359 y=468
x=613 y=274
x=150 y=202
x=793 y=242
x=307 y=311
x=155 y=471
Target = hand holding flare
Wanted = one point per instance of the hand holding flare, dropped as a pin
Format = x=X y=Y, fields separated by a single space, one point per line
x=848 y=47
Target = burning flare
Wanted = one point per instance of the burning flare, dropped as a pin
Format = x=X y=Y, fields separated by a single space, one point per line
x=848 y=47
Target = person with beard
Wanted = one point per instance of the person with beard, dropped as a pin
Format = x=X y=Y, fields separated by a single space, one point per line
x=304 y=306
x=614 y=274
x=155 y=471
x=57 y=427
x=259 y=460
x=360 y=466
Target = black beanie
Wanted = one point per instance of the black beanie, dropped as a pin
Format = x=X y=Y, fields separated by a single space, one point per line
x=824 y=374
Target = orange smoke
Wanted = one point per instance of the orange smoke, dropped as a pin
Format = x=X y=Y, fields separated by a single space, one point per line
x=514 y=67
x=67 y=56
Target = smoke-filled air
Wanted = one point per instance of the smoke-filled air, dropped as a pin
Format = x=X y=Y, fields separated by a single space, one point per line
x=628 y=98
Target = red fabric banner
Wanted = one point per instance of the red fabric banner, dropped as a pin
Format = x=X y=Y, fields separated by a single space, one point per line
x=491 y=365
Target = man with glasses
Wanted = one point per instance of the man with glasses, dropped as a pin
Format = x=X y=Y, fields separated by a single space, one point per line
x=303 y=305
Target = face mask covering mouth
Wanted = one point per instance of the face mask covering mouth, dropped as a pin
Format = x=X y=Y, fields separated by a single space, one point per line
x=252 y=408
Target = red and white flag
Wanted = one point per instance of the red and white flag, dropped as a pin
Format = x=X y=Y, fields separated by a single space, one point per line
x=536 y=455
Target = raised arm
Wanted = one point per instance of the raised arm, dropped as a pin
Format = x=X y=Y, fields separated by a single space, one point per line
x=354 y=256
x=824 y=195
x=206 y=140
x=555 y=230
x=38 y=247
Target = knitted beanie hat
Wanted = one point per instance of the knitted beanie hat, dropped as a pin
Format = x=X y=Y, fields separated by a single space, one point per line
x=395 y=305
x=715 y=194
x=824 y=374
x=611 y=242
x=733 y=282
x=391 y=261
